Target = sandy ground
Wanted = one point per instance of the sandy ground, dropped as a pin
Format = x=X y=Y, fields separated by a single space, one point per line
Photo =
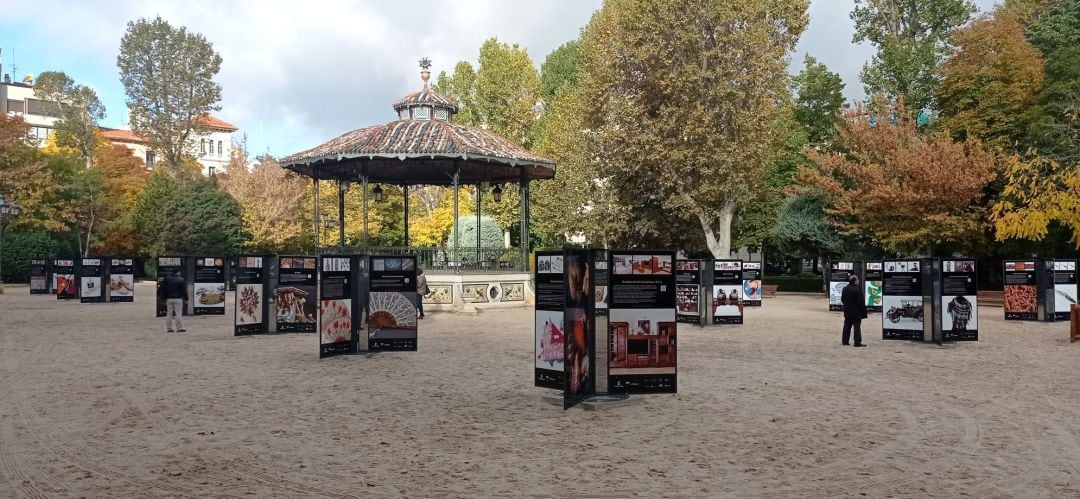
x=95 y=400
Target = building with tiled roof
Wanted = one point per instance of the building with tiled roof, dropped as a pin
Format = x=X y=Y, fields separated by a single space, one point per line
x=211 y=149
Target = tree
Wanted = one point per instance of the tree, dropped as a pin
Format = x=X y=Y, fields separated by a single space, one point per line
x=819 y=96
x=168 y=75
x=1057 y=29
x=1030 y=11
x=432 y=226
x=1052 y=123
x=79 y=109
x=680 y=101
x=461 y=87
x=560 y=69
x=909 y=193
x=990 y=81
x=801 y=227
x=272 y=200
x=490 y=234
x=88 y=207
x=911 y=38
x=149 y=213
x=202 y=220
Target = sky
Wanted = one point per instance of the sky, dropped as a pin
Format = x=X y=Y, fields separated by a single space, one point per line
x=294 y=76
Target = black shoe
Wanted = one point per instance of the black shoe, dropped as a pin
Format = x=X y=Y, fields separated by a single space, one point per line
x=182 y=330
x=846 y=344
x=859 y=345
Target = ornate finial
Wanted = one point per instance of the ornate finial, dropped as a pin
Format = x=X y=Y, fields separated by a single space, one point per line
x=425 y=65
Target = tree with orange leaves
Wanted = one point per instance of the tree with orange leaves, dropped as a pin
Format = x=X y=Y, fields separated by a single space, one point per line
x=912 y=194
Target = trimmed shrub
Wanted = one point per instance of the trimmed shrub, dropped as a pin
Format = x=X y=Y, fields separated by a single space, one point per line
x=21 y=247
x=794 y=284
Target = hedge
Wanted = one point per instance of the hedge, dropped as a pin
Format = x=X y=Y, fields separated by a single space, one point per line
x=20 y=247
x=796 y=284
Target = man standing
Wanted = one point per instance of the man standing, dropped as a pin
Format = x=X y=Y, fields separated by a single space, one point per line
x=854 y=310
x=421 y=290
x=174 y=291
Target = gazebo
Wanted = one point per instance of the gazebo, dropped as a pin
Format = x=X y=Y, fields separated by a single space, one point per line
x=425 y=147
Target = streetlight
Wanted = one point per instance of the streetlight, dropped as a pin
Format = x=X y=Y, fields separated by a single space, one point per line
x=378 y=192
x=7 y=210
x=497 y=193
x=327 y=223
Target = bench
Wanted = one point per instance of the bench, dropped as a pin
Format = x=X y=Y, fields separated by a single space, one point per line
x=769 y=290
x=992 y=298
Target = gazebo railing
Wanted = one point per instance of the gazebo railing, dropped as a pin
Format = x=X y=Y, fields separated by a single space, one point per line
x=442 y=260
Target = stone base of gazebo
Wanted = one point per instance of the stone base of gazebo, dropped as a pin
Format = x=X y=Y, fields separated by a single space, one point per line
x=478 y=291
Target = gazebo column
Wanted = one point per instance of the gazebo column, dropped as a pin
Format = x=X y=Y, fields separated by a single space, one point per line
x=315 y=208
x=365 y=216
x=457 y=231
x=478 y=193
x=405 y=192
x=342 y=187
x=524 y=190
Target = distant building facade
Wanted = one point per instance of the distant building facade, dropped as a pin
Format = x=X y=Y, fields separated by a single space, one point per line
x=17 y=99
x=210 y=149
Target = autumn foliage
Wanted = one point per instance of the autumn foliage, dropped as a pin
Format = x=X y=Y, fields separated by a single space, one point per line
x=911 y=194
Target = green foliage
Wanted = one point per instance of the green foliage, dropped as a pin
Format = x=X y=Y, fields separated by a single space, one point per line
x=168 y=75
x=1054 y=129
x=79 y=110
x=1058 y=29
x=911 y=38
x=148 y=216
x=560 y=69
x=819 y=95
x=801 y=228
x=491 y=235
x=20 y=247
x=202 y=220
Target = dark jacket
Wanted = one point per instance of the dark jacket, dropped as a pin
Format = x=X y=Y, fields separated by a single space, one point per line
x=854 y=306
x=173 y=287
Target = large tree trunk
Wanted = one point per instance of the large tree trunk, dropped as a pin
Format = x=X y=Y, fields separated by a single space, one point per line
x=718 y=236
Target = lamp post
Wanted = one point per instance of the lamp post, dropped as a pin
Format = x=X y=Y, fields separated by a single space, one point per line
x=327 y=224
x=7 y=210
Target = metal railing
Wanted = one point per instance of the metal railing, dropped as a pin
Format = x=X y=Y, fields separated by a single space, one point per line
x=439 y=259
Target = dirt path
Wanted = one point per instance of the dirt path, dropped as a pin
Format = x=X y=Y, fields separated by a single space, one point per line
x=96 y=401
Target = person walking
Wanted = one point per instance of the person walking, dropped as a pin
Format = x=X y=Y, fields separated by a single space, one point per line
x=421 y=290
x=174 y=292
x=854 y=310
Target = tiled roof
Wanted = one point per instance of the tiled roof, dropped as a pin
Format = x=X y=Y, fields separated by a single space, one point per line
x=425 y=97
x=218 y=123
x=119 y=135
x=403 y=139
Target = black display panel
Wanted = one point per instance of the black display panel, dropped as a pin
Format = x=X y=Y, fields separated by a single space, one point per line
x=39 y=277
x=641 y=317
x=251 y=310
x=1021 y=290
x=902 y=300
x=839 y=272
x=548 y=330
x=579 y=355
x=959 y=300
x=91 y=273
x=727 y=302
x=392 y=324
x=295 y=298
x=168 y=266
x=872 y=277
x=688 y=283
x=64 y=281
x=209 y=286
x=121 y=279
x=751 y=284
x=338 y=332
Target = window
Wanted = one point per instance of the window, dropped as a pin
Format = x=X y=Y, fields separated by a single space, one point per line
x=42 y=108
x=16 y=106
x=440 y=114
x=202 y=146
x=422 y=113
x=39 y=134
x=210 y=170
x=404 y=114
x=150 y=159
x=219 y=148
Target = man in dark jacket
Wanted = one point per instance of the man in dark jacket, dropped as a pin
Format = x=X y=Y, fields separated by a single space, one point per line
x=854 y=310
x=174 y=291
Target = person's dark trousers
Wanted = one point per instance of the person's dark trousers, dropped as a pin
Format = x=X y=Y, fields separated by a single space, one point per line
x=420 y=304
x=857 y=323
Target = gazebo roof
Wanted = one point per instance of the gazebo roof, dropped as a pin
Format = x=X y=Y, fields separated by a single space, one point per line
x=423 y=146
